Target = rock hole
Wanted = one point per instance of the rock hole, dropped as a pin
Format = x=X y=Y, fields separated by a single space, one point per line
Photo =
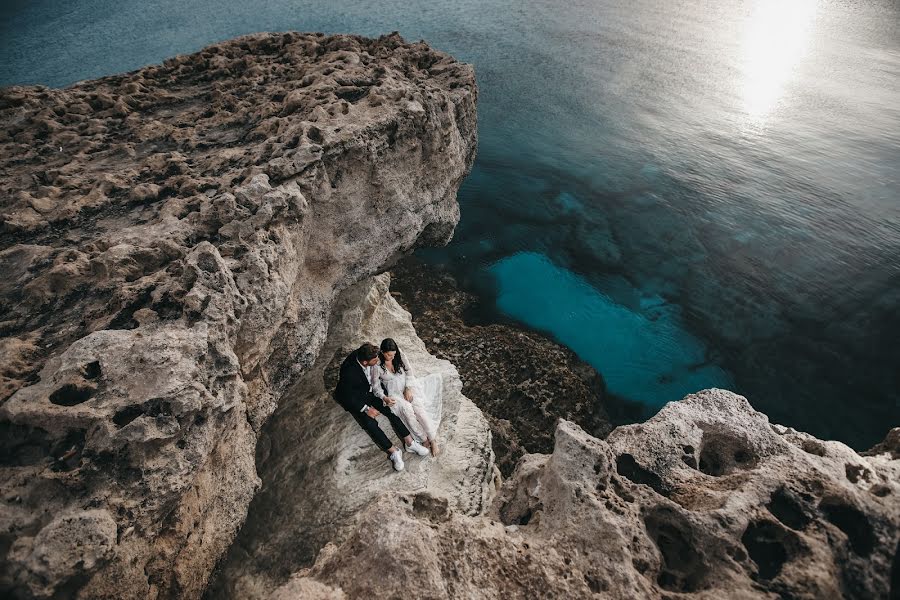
x=640 y=565
x=352 y=95
x=315 y=134
x=595 y=584
x=856 y=472
x=126 y=415
x=853 y=523
x=71 y=395
x=813 y=447
x=168 y=308
x=787 y=509
x=125 y=317
x=620 y=490
x=433 y=508
x=682 y=565
x=722 y=453
x=880 y=490
x=628 y=467
x=764 y=541
x=207 y=262
x=689 y=461
x=158 y=407
x=91 y=370
x=21 y=445
x=524 y=519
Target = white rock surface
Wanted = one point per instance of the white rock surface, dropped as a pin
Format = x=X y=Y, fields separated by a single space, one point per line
x=320 y=470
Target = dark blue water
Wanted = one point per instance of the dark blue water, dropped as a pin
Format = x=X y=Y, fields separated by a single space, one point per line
x=687 y=194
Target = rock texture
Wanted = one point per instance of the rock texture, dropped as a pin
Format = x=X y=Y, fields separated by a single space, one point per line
x=319 y=469
x=705 y=500
x=522 y=381
x=172 y=240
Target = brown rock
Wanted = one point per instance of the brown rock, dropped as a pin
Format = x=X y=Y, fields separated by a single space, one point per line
x=181 y=280
x=752 y=516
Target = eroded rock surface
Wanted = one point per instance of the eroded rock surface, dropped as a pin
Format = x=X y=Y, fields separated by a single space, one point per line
x=320 y=470
x=172 y=241
x=707 y=499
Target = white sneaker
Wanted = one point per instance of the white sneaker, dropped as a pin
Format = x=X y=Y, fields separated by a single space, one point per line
x=418 y=448
x=397 y=460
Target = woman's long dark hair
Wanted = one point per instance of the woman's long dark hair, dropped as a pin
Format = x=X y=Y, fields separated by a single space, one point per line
x=387 y=345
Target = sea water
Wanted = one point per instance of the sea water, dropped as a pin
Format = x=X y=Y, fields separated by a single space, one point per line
x=691 y=194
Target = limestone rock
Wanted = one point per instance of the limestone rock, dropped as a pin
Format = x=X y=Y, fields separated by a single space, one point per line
x=172 y=240
x=706 y=500
x=70 y=546
x=321 y=472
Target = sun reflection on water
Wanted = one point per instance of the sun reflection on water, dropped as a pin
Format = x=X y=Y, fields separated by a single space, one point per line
x=777 y=36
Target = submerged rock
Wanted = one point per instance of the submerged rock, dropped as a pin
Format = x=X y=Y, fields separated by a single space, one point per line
x=172 y=240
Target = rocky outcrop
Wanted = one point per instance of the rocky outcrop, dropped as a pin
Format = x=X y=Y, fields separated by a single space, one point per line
x=707 y=499
x=319 y=470
x=172 y=242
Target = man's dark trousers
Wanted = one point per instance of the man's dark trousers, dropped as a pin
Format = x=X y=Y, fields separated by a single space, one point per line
x=371 y=427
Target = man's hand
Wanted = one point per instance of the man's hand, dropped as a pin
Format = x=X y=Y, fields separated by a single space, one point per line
x=372 y=412
x=390 y=401
x=407 y=393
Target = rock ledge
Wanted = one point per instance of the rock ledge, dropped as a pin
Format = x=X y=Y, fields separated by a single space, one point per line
x=172 y=240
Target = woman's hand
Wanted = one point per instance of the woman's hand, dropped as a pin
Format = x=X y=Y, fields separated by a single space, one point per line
x=389 y=401
x=407 y=393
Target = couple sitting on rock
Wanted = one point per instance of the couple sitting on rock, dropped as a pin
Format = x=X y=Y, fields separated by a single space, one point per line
x=374 y=382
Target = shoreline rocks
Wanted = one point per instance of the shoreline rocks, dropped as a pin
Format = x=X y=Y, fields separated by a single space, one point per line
x=707 y=499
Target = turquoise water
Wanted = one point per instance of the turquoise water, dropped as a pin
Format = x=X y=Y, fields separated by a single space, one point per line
x=641 y=346
x=735 y=162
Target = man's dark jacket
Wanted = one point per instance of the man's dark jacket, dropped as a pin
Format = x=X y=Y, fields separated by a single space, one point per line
x=352 y=391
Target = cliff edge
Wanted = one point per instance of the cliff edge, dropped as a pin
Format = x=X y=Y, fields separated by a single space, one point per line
x=173 y=239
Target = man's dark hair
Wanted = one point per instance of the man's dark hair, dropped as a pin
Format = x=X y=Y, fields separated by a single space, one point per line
x=366 y=352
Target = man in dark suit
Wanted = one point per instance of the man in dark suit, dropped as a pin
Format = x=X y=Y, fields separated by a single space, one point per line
x=354 y=394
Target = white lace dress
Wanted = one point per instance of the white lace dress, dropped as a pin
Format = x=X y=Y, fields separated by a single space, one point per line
x=423 y=414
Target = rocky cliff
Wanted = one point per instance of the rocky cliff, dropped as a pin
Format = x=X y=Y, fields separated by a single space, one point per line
x=320 y=471
x=173 y=240
x=705 y=500
x=189 y=250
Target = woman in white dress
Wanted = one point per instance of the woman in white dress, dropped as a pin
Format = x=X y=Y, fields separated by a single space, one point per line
x=396 y=389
